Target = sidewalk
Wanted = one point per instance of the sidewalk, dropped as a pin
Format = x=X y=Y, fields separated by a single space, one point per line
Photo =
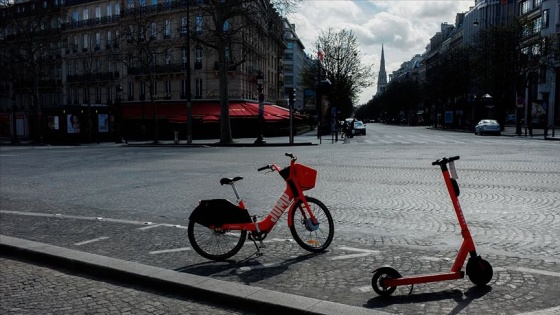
x=228 y=294
x=509 y=131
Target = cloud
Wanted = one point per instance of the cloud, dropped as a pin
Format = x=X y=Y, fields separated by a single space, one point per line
x=404 y=27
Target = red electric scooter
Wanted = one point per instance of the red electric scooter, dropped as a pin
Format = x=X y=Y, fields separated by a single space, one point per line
x=386 y=279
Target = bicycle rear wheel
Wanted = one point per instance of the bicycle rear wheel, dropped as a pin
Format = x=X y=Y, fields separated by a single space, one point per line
x=312 y=237
x=215 y=244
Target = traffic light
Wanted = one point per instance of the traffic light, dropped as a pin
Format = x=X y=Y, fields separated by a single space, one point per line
x=292 y=97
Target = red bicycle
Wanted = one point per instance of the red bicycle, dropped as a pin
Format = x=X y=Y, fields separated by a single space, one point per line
x=218 y=228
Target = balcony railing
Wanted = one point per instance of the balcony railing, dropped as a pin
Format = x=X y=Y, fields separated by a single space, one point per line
x=100 y=76
x=170 y=68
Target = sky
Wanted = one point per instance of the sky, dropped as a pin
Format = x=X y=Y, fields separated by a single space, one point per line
x=403 y=27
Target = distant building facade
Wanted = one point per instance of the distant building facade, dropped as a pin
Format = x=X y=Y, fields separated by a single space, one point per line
x=83 y=68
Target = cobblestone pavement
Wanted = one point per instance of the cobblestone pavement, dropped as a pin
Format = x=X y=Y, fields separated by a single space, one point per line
x=389 y=205
x=33 y=289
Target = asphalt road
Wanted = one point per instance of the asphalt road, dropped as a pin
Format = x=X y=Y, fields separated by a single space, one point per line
x=389 y=204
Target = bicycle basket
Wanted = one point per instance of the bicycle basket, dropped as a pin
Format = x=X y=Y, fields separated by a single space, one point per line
x=305 y=176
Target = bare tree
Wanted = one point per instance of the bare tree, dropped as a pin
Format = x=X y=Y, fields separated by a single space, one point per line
x=33 y=46
x=232 y=30
x=342 y=66
x=146 y=48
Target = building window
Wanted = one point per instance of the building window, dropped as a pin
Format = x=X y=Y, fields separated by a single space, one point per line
x=86 y=95
x=167 y=29
x=198 y=88
x=154 y=88
x=131 y=90
x=184 y=22
x=86 y=42
x=167 y=87
x=142 y=90
x=117 y=9
x=109 y=10
x=184 y=89
x=97 y=41
x=545 y=18
x=109 y=93
x=85 y=14
x=109 y=35
x=98 y=13
x=198 y=24
x=184 y=52
x=198 y=58
x=154 y=30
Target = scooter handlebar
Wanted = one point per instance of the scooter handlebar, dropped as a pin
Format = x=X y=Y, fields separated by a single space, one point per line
x=264 y=168
x=445 y=160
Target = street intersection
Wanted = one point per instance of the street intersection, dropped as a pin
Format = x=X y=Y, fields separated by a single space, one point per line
x=388 y=202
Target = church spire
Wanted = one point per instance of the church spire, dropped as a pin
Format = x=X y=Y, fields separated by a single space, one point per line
x=382 y=76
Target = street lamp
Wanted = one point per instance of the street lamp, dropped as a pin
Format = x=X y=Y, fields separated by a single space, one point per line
x=260 y=82
x=188 y=87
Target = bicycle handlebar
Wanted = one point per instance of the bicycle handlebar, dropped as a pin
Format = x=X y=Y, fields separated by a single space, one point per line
x=445 y=160
x=291 y=156
x=274 y=167
x=264 y=168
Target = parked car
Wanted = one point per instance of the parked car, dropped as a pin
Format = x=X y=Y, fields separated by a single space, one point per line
x=510 y=119
x=359 y=128
x=487 y=126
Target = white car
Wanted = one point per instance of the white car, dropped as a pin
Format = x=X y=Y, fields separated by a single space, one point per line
x=487 y=126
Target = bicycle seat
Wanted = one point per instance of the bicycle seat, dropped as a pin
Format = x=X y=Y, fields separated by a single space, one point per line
x=229 y=181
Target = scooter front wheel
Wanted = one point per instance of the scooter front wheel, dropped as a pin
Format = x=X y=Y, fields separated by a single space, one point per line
x=381 y=275
x=215 y=244
x=479 y=271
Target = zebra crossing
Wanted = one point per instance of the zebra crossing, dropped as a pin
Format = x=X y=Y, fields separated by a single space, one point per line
x=420 y=139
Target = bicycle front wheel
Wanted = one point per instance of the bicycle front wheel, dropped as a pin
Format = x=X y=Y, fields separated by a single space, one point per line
x=215 y=244
x=312 y=236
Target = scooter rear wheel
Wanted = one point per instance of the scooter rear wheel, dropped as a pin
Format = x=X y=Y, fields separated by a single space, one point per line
x=215 y=244
x=479 y=271
x=379 y=276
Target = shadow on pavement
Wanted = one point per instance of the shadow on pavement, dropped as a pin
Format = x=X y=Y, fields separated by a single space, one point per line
x=462 y=299
x=242 y=268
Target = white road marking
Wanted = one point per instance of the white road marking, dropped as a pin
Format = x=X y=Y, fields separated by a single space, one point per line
x=149 y=226
x=350 y=256
x=360 y=250
x=92 y=241
x=537 y=271
x=361 y=253
x=546 y=311
x=173 y=250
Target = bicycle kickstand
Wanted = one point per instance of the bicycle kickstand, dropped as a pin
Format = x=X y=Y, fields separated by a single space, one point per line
x=256 y=237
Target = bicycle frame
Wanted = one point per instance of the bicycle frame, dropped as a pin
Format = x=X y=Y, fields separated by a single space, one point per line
x=292 y=194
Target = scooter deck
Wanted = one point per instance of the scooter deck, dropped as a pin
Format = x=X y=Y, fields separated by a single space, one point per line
x=423 y=279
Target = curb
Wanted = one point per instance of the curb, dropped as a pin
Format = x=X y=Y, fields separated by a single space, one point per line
x=217 y=144
x=251 y=298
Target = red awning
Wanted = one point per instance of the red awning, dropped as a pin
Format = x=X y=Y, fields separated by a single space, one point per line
x=210 y=112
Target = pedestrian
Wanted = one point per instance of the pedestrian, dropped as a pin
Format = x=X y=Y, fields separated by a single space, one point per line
x=351 y=128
